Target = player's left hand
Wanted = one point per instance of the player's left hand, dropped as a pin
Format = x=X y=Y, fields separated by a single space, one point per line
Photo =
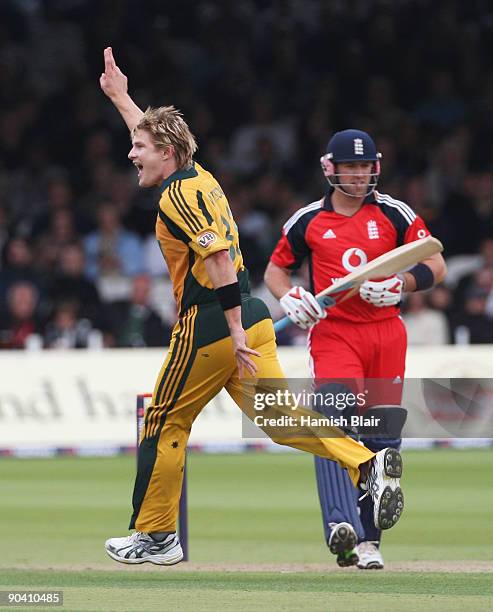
x=113 y=82
x=382 y=293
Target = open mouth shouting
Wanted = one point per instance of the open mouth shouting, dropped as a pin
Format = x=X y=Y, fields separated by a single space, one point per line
x=139 y=167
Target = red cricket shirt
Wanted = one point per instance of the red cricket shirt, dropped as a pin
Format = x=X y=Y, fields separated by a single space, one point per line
x=336 y=245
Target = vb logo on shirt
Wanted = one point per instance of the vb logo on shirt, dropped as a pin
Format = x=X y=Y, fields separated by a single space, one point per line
x=206 y=239
x=353 y=258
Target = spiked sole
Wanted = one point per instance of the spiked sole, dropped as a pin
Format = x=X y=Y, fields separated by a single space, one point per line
x=347 y=560
x=393 y=463
x=342 y=539
x=389 y=508
x=342 y=542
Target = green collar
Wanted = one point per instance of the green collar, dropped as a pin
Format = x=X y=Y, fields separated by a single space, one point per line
x=179 y=175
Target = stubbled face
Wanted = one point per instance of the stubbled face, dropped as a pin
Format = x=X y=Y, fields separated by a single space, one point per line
x=355 y=177
x=147 y=158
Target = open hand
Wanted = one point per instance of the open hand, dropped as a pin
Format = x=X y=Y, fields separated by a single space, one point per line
x=113 y=82
x=242 y=352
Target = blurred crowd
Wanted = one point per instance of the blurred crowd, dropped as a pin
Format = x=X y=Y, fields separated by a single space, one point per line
x=263 y=85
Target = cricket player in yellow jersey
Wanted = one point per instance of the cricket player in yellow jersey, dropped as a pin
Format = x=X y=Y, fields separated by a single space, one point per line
x=223 y=336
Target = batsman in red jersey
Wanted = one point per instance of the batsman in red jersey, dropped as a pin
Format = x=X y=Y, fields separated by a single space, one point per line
x=362 y=337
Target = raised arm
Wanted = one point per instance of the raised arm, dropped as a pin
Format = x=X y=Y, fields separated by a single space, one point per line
x=115 y=85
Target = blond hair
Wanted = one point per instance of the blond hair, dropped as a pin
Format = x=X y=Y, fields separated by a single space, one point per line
x=167 y=127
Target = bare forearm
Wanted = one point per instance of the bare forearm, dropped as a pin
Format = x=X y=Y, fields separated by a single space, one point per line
x=220 y=269
x=129 y=111
x=278 y=280
x=233 y=318
x=221 y=272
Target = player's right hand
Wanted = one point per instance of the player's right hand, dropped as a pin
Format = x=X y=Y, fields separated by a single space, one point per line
x=302 y=307
x=242 y=352
x=113 y=82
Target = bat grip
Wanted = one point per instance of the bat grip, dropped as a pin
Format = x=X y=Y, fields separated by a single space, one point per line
x=282 y=324
x=326 y=301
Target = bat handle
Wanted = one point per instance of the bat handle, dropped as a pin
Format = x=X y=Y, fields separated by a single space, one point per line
x=282 y=324
x=326 y=301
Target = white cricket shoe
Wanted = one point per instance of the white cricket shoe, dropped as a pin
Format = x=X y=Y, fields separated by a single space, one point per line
x=342 y=542
x=141 y=548
x=384 y=487
x=369 y=555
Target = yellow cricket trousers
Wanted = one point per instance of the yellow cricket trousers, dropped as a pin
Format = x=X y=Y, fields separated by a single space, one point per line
x=200 y=362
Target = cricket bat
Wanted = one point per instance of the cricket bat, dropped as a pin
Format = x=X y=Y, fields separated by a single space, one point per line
x=385 y=265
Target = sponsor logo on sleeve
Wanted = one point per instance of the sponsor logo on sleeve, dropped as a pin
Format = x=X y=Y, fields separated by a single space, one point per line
x=205 y=239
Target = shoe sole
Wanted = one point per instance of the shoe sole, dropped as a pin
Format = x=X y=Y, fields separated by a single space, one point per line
x=392 y=463
x=390 y=507
x=349 y=561
x=392 y=499
x=343 y=540
x=168 y=559
x=373 y=565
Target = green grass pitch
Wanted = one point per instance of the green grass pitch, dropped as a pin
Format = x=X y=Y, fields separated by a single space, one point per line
x=254 y=524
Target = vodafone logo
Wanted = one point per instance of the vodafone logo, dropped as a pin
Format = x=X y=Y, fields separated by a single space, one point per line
x=354 y=258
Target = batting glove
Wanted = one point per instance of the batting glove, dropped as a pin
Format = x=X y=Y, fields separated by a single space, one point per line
x=302 y=307
x=382 y=293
